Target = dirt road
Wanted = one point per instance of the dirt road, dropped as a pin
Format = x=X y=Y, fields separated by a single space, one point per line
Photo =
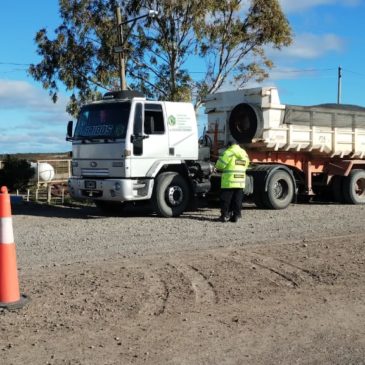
x=283 y=287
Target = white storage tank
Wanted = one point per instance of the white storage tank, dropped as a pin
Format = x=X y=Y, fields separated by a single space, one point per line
x=44 y=172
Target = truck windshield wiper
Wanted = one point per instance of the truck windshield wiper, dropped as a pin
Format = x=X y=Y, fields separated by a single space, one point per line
x=93 y=138
x=83 y=139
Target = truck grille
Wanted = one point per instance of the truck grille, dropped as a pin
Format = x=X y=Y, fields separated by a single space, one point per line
x=95 y=172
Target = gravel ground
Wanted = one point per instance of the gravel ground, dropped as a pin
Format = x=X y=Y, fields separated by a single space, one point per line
x=62 y=235
x=279 y=287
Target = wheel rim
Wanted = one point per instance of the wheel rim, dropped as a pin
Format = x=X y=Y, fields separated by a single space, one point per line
x=174 y=195
x=280 y=189
x=360 y=187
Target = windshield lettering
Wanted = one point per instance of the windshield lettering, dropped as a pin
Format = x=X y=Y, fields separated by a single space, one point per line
x=105 y=120
x=98 y=130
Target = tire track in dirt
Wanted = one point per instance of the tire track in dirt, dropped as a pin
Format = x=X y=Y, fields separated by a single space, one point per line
x=175 y=285
x=205 y=292
x=278 y=272
x=158 y=295
x=295 y=273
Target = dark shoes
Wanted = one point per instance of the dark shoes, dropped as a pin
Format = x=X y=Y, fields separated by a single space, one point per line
x=233 y=219
x=223 y=219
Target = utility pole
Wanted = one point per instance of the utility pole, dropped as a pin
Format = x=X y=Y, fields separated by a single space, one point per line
x=120 y=48
x=123 y=83
x=339 y=84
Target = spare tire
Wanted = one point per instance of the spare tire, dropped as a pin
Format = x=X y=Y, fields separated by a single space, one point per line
x=244 y=123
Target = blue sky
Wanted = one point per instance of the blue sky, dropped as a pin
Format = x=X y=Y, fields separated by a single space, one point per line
x=327 y=34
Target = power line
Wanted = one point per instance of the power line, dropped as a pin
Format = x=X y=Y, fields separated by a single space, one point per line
x=353 y=72
x=14 y=70
x=14 y=64
x=304 y=70
x=203 y=72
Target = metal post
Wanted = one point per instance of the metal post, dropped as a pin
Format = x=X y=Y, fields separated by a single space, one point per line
x=308 y=178
x=123 y=84
x=49 y=190
x=339 y=85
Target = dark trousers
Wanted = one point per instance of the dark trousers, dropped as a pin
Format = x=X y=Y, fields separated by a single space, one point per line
x=231 y=202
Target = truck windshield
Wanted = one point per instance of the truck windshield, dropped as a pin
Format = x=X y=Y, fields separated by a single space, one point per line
x=109 y=120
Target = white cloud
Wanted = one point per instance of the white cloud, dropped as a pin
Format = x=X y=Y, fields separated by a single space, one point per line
x=292 y=6
x=309 y=46
x=288 y=73
x=39 y=142
x=22 y=96
x=29 y=120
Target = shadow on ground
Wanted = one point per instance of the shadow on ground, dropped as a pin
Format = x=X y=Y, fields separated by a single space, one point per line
x=84 y=211
x=92 y=212
x=74 y=211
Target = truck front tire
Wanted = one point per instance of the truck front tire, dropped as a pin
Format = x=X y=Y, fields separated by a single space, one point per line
x=171 y=195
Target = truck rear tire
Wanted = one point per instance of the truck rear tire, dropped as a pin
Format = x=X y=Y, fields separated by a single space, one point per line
x=171 y=195
x=280 y=190
x=354 y=187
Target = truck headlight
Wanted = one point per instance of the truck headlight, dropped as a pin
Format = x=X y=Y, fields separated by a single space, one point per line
x=117 y=186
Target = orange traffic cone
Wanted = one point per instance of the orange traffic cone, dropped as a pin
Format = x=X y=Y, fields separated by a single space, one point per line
x=10 y=297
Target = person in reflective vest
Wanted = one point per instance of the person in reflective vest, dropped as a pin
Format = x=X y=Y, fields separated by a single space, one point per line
x=233 y=165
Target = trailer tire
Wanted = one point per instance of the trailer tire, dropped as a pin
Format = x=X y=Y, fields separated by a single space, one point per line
x=280 y=190
x=337 y=189
x=354 y=187
x=171 y=195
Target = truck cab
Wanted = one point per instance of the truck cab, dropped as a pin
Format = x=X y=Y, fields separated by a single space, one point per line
x=121 y=144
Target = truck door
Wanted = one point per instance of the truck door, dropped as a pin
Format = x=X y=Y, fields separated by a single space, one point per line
x=149 y=139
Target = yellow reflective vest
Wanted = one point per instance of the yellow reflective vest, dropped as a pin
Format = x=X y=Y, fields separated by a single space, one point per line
x=233 y=165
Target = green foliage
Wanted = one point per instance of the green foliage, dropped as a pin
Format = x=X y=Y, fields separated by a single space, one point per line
x=226 y=40
x=16 y=173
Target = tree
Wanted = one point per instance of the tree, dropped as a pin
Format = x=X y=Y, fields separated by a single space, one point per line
x=16 y=173
x=224 y=40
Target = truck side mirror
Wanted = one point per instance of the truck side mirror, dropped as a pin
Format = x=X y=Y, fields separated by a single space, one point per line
x=138 y=137
x=69 y=130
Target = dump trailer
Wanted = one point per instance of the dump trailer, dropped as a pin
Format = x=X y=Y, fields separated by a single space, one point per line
x=295 y=151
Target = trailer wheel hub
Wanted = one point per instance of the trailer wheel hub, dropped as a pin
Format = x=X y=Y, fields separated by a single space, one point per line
x=280 y=189
x=360 y=187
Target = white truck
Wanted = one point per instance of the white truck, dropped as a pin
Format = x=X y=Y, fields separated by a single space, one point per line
x=129 y=149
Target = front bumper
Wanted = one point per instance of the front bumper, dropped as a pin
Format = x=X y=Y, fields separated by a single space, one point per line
x=110 y=189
